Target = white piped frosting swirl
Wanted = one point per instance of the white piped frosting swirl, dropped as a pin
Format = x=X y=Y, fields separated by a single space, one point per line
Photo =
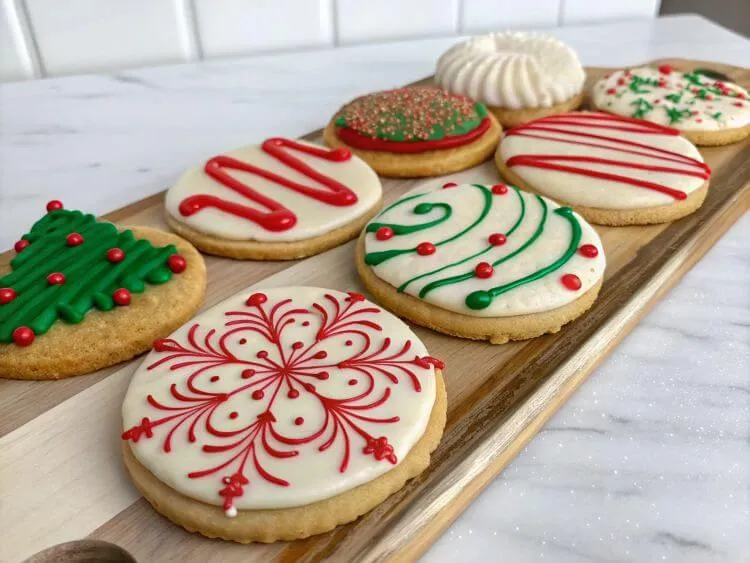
x=512 y=70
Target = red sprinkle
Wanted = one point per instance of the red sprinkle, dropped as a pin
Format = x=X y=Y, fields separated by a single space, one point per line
x=484 y=270
x=384 y=233
x=499 y=189
x=426 y=248
x=176 y=263
x=497 y=239
x=611 y=91
x=256 y=299
x=571 y=281
x=449 y=185
x=589 y=251
x=20 y=245
x=621 y=82
x=54 y=205
x=115 y=255
x=56 y=278
x=121 y=297
x=665 y=69
x=23 y=336
x=7 y=294
x=74 y=239
x=299 y=420
x=739 y=104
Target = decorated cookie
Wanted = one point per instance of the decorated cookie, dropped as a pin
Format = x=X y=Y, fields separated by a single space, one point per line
x=279 y=200
x=613 y=170
x=520 y=76
x=82 y=295
x=415 y=131
x=706 y=111
x=482 y=262
x=281 y=413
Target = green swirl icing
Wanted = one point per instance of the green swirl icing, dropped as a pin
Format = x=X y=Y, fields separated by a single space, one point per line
x=90 y=278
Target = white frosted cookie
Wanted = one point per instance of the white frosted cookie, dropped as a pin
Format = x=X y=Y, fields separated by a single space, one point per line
x=281 y=413
x=519 y=75
x=280 y=199
x=489 y=262
x=706 y=111
x=606 y=166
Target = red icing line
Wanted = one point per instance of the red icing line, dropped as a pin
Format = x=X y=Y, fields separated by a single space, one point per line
x=278 y=217
x=692 y=167
x=358 y=141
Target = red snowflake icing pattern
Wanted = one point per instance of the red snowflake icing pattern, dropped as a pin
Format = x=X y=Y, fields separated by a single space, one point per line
x=283 y=368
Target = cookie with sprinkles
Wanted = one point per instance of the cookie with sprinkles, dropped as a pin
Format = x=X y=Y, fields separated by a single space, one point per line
x=281 y=413
x=415 y=131
x=82 y=294
x=482 y=262
x=613 y=170
x=705 y=110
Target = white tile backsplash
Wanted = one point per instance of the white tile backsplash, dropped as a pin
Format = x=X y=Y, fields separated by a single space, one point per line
x=48 y=37
x=230 y=27
x=582 y=11
x=479 y=16
x=87 y=35
x=358 y=21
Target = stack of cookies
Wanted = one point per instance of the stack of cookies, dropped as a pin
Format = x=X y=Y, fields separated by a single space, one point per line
x=284 y=412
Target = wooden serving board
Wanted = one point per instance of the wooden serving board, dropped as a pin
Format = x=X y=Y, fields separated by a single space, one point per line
x=61 y=477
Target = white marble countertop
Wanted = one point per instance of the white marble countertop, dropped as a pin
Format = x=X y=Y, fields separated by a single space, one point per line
x=649 y=461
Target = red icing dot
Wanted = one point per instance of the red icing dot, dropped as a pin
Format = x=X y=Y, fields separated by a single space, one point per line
x=293 y=394
x=243 y=341
x=483 y=270
x=323 y=375
x=348 y=343
x=571 y=281
x=662 y=84
x=499 y=189
x=23 y=336
x=739 y=104
x=7 y=294
x=341 y=154
x=233 y=414
x=257 y=394
x=121 y=297
x=449 y=185
x=354 y=297
x=497 y=239
x=176 y=263
x=309 y=387
x=262 y=354
x=299 y=420
x=20 y=245
x=306 y=323
x=352 y=382
x=56 y=278
x=589 y=251
x=297 y=345
x=621 y=82
x=214 y=378
x=320 y=355
x=611 y=91
x=54 y=205
x=425 y=248
x=247 y=373
x=115 y=255
x=256 y=299
x=665 y=69
x=384 y=233
x=74 y=239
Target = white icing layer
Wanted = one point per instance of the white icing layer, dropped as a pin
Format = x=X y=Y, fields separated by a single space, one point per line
x=463 y=241
x=697 y=103
x=341 y=374
x=593 y=138
x=314 y=217
x=512 y=70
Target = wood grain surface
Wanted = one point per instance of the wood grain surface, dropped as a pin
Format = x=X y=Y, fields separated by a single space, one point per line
x=61 y=477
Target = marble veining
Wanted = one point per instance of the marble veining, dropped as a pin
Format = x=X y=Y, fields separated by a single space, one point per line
x=649 y=461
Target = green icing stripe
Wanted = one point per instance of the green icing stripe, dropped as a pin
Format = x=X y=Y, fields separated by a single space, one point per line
x=375 y=258
x=482 y=299
x=90 y=277
x=517 y=224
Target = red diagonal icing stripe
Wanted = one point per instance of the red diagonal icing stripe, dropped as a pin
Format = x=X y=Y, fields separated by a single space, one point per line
x=278 y=217
x=551 y=130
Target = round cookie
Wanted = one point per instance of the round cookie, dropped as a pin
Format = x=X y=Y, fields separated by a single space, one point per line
x=280 y=200
x=482 y=262
x=415 y=131
x=519 y=76
x=706 y=111
x=82 y=295
x=281 y=413
x=613 y=170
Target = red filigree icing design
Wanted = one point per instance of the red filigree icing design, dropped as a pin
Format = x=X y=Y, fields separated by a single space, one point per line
x=286 y=366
